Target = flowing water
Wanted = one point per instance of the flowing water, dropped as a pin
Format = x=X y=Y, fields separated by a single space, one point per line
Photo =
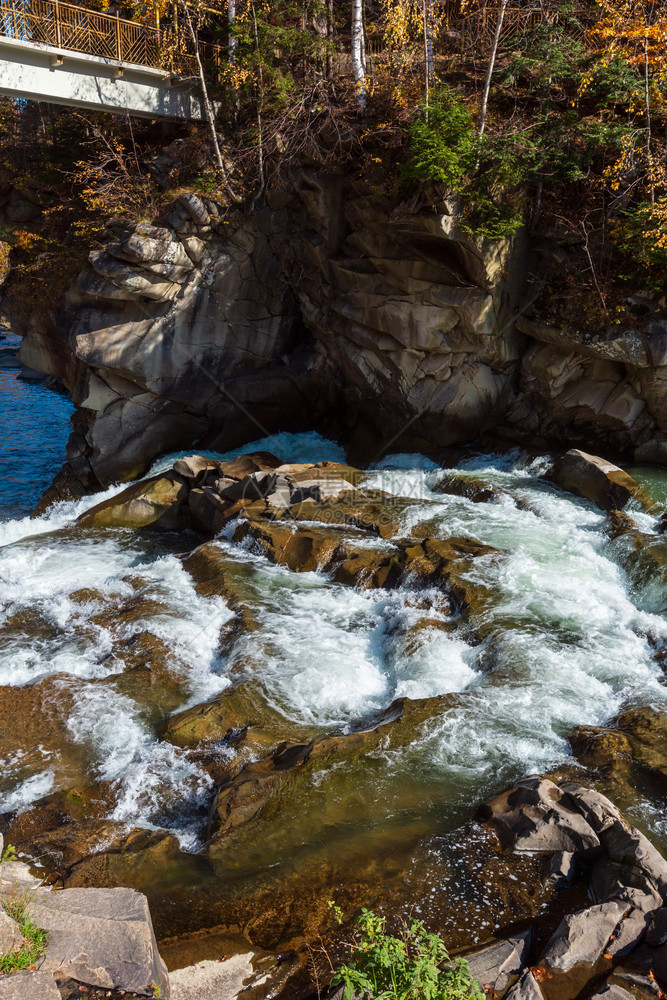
x=569 y=639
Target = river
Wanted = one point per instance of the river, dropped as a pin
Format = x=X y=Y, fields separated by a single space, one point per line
x=570 y=639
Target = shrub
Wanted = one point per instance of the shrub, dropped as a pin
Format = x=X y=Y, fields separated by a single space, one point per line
x=413 y=966
x=442 y=147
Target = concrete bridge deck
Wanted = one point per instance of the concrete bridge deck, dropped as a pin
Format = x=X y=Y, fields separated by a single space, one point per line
x=65 y=54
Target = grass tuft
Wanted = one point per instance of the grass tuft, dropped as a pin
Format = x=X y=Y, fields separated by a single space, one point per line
x=25 y=957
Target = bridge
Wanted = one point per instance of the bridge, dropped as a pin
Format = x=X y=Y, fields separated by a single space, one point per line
x=61 y=53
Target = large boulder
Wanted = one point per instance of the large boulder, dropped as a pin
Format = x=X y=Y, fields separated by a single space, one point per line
x=592 y=477
x=583 y=937
x=103 y=937
x=538 y=816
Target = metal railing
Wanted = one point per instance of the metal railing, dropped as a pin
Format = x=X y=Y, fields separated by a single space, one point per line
x=79 y=29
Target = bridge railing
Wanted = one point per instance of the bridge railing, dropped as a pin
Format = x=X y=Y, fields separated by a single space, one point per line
x=78 y=29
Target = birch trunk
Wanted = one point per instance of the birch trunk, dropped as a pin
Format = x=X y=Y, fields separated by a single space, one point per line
x=358 y=53
x=492 y=63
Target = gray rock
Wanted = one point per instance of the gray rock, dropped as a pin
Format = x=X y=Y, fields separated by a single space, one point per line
x=583 y=936
x=657 y=931
x=625 y=883
x=628 y=846
x=536 y=816
x=613 y=992
x=526 y=989
x=29 y=986
x=494 y=965
x=11 y=938
x=563 y=868
x=103 y=937
x=629 y=933
x=598 y=811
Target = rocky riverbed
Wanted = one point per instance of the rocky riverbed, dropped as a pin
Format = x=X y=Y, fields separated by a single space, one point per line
x=252 y=683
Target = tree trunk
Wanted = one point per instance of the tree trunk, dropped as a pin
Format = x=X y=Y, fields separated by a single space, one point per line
x=492 y=62
x=232 y=41
x=209 y=110
x=428 y=51
x=358 y=53
x=330 y=33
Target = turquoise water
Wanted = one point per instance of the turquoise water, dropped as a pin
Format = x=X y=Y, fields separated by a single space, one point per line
x=34 y=427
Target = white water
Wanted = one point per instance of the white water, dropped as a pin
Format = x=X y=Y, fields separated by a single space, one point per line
x=566 y=642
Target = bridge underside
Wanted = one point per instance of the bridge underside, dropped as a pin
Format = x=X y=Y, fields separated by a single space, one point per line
x=35 y=72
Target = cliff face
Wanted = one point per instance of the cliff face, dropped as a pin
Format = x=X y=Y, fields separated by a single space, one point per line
x=330 y=307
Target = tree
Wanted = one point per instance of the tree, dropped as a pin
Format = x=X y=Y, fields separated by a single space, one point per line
x=359 y=52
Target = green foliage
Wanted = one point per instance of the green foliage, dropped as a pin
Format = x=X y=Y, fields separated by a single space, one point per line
x=35 y=937
x=9 y=853
x=414 y=966
x=442 y=147
x=641 y=241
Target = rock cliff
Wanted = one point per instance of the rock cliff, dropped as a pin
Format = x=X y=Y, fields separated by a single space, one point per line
x=330 y=307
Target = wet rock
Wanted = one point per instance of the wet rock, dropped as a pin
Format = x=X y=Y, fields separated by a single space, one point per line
x=497 y=964
x=29 y=986
x=466 y=486
x=154 y=503
x=592 y=477
x=269 y=780
x=101 y=936
x=11 y=938
x=583 y=936
x=526 y=989
x=613 y=992
x=238 y=713
x=646 y=732
x=538 y=816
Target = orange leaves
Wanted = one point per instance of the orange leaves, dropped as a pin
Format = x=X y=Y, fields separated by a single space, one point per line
x=540 y=973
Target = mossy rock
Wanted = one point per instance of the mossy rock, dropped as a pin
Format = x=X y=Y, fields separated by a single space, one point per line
x=152 y=503
x=237 y=713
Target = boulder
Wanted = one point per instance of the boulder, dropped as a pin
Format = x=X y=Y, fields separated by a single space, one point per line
x=29 y=986
x=583 y=936
x=592 y=477
x=538 y=816
x=625 y=883
x=495 y=965
x=103 y=937
x=629 y=846
x=154 y=503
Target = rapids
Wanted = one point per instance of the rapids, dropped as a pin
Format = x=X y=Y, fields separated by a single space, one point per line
x=570 y=639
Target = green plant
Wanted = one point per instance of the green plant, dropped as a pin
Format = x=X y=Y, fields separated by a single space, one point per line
x=413 y=966
x=441 y=142
x=35 y=938
x=9 y=853
x=157 y=991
